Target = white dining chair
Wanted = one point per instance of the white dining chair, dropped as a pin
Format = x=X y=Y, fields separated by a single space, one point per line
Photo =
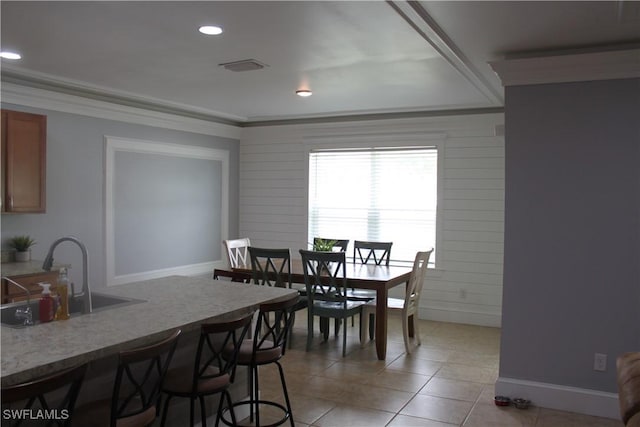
x=237 y=251
x=406 y=307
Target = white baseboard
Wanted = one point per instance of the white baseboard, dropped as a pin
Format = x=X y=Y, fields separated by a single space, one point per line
x=459 y=316
x=564 y=398
x=182 y=270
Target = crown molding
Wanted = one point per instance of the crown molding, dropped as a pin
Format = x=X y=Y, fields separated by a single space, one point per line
x=420 y=20
x=13 y=93
x=607 y=65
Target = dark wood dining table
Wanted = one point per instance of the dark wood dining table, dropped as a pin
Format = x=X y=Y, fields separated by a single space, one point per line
x=364 y=276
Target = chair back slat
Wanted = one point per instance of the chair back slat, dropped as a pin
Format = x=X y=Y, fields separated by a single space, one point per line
x=416 y=280
x=376 y=252
x=271 y=267
x=237 y=253
x=140 y=376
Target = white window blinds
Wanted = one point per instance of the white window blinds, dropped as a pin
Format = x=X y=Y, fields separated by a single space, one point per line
x=376 y=195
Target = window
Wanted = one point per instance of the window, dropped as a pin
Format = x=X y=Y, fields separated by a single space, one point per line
x=381 y=194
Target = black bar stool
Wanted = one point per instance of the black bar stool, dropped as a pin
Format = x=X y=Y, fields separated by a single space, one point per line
x=267 y=346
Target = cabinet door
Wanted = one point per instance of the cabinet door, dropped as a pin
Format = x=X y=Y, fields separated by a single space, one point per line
x=23 y=161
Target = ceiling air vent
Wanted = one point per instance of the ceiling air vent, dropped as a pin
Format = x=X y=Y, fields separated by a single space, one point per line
x=244 y=65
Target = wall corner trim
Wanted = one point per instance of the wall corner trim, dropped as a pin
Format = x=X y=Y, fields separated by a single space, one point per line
x=565 y=398
x=608 y=65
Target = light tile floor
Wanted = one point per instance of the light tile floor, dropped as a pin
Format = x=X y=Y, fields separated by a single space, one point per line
x=448 y=381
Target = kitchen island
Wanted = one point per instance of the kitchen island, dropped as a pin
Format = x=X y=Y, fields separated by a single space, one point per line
x=170 y=303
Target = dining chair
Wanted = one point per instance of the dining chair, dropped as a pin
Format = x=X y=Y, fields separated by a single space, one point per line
x=136 y=390
x=365 y=252
x=272 y=267
x=267 y=346
x=215 y=360
x=407 y=307
x=55 y=392
x=319 y=244
x=325 y=278
x=377 y=252
x=236 y=250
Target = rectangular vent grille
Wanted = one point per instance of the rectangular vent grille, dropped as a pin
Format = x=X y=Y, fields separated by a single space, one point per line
x=244 y=65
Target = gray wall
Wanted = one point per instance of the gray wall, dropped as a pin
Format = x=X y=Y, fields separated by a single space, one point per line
x=572 y=231
x=75 y=186
x=173 y=207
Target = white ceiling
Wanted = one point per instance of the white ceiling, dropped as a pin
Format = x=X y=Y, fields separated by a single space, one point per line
x=362 y=57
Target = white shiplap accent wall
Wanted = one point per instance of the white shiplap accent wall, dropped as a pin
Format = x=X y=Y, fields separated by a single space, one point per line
x=466 y=286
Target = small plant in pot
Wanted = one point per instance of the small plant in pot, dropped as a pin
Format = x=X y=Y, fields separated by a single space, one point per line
x=22 y=245
x=324 y=245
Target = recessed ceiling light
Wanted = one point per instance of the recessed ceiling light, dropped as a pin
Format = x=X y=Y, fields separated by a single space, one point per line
x=304 y=93
x=9 y=55
x=210 y=30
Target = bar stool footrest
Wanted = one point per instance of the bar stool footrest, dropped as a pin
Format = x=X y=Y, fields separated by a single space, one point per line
x=286 y=417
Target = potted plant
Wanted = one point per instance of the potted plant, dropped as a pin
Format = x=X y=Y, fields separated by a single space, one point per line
x=22 y=245
x=321 y=245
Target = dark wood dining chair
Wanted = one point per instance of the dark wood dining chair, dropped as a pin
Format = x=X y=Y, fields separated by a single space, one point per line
x=267 y=346
x=326 y=278
x=377 y=252
x=136 y=390
x=215 y=360
x=365 y=252
x=272 y=267
x=407 y=307
x=56 y=392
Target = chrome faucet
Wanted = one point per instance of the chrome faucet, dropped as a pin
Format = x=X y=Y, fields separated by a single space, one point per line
x=25 y=313
x=86 y=290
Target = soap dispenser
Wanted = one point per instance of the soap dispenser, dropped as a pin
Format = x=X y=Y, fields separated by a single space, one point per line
x=46 y=309
x=62 y=312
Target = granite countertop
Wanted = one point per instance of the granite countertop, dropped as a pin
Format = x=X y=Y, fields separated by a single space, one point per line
x=171 y=302
x=12 y=269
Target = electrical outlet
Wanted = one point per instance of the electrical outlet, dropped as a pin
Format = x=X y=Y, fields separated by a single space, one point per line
x=600 y=362
x=463 y=294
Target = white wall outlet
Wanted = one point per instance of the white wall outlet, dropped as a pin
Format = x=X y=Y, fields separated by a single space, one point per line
x=600 y=362
x=463 y=294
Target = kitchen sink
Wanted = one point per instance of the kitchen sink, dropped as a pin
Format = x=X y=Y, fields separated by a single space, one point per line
x=100 y=302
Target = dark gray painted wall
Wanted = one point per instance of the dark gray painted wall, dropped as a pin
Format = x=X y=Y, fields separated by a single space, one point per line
x=572 y=231
x=75 y=185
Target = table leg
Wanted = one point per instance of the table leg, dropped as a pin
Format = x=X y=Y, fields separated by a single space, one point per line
x=381 y=323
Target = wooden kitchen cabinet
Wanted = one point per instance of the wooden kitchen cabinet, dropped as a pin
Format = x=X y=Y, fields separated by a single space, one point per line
x=23 y=162
x=12 y=293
